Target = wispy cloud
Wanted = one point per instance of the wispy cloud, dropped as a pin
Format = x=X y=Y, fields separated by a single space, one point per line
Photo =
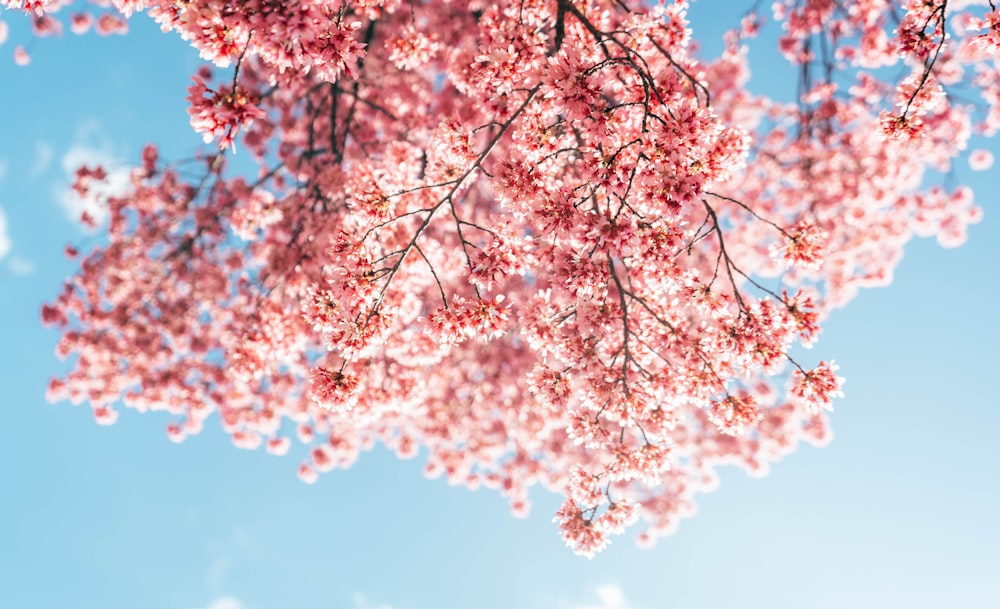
x=20 y=266
x=231 y=602
x=43 y=158
x=217 y=572
x=226 y=602
x=609 y=596
x=361 y=602
x=90 y=148
x=3 y=169
x=4 y=237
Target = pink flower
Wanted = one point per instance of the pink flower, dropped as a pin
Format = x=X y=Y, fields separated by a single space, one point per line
x=334 y=390
x=110 y=23
x=412 y=49
x=980 y=160
x=804 y=246
x=104 y=415
x=816 y=388
x=733 y=413
x=900 y=127
x=21 y=56
x=175 y=432
x=80 y=22
x=278 y=445
x=580 y=533
x=45 y=25
x=220 y=114
x=619 y=516
x=307 y=474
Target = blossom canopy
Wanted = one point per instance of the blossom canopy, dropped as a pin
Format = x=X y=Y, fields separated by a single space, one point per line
x=536 y=241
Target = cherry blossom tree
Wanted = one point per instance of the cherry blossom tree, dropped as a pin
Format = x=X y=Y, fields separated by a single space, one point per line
x=533 y=241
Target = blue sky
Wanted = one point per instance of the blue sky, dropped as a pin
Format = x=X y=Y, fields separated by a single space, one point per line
x=899 y=511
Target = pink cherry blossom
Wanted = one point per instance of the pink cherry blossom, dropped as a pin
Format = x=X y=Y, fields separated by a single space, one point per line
x=980 y=160
x=80 y=23
x=21 y=56
x=535 y=243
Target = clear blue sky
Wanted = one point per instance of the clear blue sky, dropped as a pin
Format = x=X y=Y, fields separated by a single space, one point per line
x=900 y=511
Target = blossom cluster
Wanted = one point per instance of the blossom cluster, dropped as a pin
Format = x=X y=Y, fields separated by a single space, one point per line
x=536 y=242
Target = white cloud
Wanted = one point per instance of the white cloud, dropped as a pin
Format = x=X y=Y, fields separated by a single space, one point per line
x=3 y=169
x=609 y=596
x=217 y=572
x=360 y=602
x=4 y=237
x=43 y=158
x=91 y=149
x=960 y=4
x=20 y=266
x=226 y=602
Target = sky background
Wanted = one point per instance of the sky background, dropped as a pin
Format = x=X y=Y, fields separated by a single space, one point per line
x=900 y=511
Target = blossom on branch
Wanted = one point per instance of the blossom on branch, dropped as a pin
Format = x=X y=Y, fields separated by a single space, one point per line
x=534 y=242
